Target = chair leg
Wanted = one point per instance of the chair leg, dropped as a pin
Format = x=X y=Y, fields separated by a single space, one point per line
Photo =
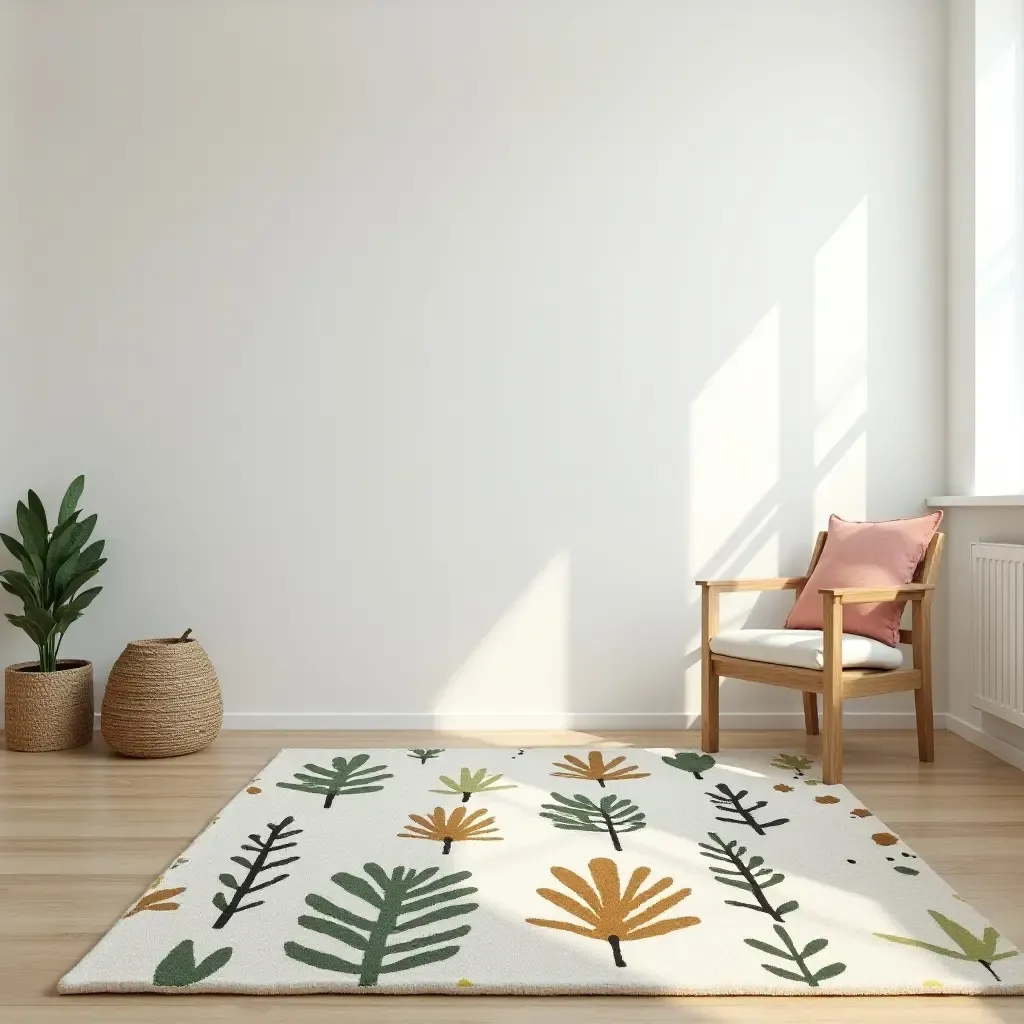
x=709 y=706
x=708 y=676
x=923 y=697
x=811 y=713
x=832 y=698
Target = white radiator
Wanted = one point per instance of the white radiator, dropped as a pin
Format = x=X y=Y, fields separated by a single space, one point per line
x=998 y=571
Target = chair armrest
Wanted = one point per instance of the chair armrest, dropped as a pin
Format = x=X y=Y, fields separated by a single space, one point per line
x=734 y=586
x=875 y=595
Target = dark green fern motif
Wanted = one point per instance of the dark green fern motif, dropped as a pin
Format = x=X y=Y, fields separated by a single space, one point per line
x=748 y=874
x=179 y=967
x=691 y=761
x=397 y=900
x=732 y=803
x=972 y=948
x=425 y=755
x=346 y=777
x=263 y=850
x=790 y=953
x=796 y=763
x=581 y=814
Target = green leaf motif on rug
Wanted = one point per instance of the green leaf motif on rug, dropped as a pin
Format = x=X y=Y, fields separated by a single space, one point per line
x=749 y=874
x=691 y=761
x=730 y=802
x=179 y=967
x=971 y=948
x=798 y=957
x=396 y=901
x=472 y=782
x=425 y=755
x=796 y=763
x=610 y=913
x=345 y=777
x=263 y=850
x=581 y=814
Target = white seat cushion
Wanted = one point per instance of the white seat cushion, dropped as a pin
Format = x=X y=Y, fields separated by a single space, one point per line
x=803 y=648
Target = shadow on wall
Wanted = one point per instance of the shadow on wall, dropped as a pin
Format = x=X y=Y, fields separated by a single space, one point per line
x=775 y=440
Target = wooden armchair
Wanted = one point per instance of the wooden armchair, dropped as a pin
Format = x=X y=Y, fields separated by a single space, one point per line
x=834 y=682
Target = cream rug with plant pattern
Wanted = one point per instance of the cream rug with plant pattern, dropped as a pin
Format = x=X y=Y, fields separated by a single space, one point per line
x=548 y=871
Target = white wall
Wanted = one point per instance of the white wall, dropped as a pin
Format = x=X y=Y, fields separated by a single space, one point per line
x=420 y=355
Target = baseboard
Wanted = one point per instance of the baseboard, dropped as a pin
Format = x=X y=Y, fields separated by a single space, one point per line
x=581 y=721
x=1000 y=748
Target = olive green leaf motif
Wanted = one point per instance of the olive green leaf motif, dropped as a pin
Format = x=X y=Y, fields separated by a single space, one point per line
x=691 y=761
x=425 y=755
x=611 y=913
x=971 y=948
x=179 y=967
x=797 y=957
x=472 y=782
x=156 y=901
x=596 y=769
x=796 y=763
x=345 y=777
x=451 y=828
x=581 y=814
x=394 y=903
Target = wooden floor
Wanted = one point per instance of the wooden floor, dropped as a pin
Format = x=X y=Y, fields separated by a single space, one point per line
x=83 y=832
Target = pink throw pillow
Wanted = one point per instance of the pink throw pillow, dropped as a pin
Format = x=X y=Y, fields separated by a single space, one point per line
x=866 y=555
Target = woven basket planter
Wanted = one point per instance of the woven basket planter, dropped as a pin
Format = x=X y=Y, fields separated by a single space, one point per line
x=162 y=700
x=48 y=710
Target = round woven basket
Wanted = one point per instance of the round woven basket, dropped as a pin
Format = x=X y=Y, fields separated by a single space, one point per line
x=162 y=700
x=48 y=710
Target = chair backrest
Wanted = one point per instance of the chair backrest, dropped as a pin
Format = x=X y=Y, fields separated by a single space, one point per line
x=927 y=570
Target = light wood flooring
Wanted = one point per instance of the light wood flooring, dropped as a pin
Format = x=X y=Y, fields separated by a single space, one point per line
x=82 y=833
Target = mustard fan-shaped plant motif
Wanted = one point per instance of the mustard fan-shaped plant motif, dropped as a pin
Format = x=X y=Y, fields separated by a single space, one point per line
x=451 y=828
x=472 y=782
x=611 y=913
x=596 y=769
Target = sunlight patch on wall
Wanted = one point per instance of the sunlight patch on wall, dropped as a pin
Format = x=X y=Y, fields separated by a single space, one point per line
x=734 y=449
x=840 y=369
x=999 y=375
x=522 y=665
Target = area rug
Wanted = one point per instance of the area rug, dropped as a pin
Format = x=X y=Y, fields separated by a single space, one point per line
x=548 y=871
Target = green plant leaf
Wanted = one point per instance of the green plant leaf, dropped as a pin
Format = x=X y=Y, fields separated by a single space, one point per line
x=22 y=622
x=812 y=947
x=84 y=599
x=16 y=548
x=32 y=533
x=61 y=528
x=70 y=499
x=42 y=618
x=18 y=583
x=37 y=509
x=65 y=594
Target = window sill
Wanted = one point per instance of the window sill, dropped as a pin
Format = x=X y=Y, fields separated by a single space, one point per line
x=977 y=501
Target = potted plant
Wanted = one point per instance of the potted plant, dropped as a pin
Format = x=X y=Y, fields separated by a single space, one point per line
x=49 y=703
